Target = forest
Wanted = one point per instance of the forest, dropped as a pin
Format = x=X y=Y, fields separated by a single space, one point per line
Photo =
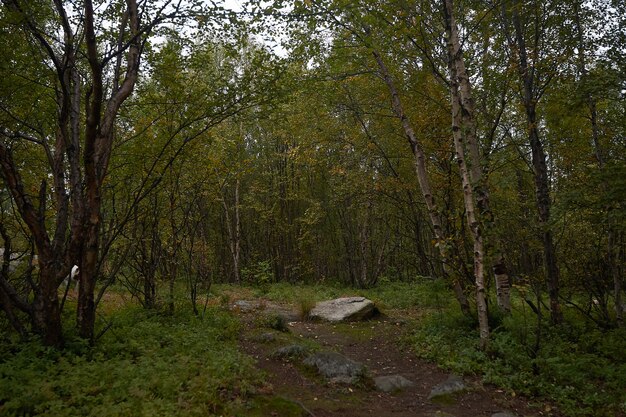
x=462 y=163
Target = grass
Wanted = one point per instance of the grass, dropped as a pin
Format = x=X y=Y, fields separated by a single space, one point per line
x=148 y=364
x=578 y=367
x=152 y=364
x=428 y=294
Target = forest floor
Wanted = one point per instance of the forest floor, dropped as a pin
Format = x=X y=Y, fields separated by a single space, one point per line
x=380 y=345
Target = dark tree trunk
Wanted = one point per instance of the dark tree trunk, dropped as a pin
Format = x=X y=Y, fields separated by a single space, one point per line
x=46 y=311
x=76 y=227
x=530 y=97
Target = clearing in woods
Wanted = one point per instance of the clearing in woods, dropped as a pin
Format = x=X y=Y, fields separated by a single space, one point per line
x=294 y=389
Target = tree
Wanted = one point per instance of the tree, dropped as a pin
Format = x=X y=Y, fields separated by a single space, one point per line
x=535 y=74
x=92 y=70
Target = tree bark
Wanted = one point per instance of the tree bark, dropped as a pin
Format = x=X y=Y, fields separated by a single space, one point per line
x=527 y=73
x=467 y=129
x=234 y=232
x=464 y=136
x=45 y=311
x=424 y=182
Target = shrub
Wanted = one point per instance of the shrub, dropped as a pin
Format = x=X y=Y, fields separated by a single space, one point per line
x=579 y=368
x=147 y=364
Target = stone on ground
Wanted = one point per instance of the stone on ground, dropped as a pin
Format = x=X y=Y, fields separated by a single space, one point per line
x=246 y=306
x=290 y=352
x=336 y=367
x=503 y=414
x=452 y=385
x=288 y=315
x=344 y=309
x=391 y=383
x=266 y=338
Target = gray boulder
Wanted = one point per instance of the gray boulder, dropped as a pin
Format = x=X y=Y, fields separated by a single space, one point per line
x=344 y=309
x=503 y=414
x=391 y=383
x=336 y=367
x=452 y=385
x=289 y=352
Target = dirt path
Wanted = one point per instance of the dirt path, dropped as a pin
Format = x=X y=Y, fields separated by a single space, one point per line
x=378 y=345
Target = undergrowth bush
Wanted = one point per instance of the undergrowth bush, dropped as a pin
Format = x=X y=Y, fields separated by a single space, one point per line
x=581 y=369
x=147 y=364
x=427 y=293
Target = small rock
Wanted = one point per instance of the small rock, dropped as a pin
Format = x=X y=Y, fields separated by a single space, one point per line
x=390 y=383
x=288 y=316
x=266 y=338
x=452 y=385
x=503 y=414
x=336 y=367
x=291 y=351
x=245 y=306
x=344 y=309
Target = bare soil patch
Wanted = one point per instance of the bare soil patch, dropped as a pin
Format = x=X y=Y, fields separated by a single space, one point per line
x=378 y=344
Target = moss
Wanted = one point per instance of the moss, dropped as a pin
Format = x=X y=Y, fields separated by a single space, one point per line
x=359 y=331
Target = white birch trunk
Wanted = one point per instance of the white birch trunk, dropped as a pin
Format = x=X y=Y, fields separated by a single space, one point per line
x=423 y=180
x=467 y=128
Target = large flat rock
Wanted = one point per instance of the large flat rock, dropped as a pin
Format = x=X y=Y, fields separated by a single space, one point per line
x=344 y=309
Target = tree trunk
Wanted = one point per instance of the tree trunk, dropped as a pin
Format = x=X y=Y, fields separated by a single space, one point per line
x=424 y=182
x=234 y=233
x=540 y=170
x=86 y=309
x=474 y=224
x=458 y=131
x=237 y=245
x=467 y=129
x=543 y=205
x=503 y=285
x=46 y=310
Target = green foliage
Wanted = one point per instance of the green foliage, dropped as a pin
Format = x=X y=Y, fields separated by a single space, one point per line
x=259 y=274
x=425 y=293
x=273 y=321
x=293 y=294
x=147 y=364
x=580 y=368
x=305 y=305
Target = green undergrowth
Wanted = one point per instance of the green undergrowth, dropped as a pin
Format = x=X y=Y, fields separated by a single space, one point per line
x=424 y=293
x=147 y=364
x=264 y=406
x=581 y=369
x=576 y=366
